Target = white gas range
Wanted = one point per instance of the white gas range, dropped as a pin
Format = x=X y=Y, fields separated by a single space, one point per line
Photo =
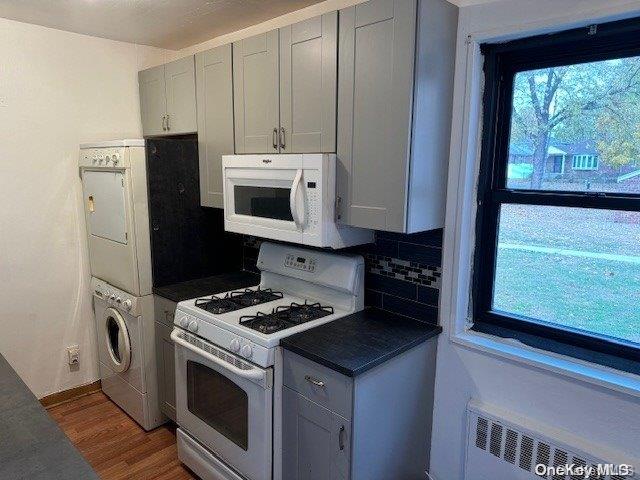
x=226 y=348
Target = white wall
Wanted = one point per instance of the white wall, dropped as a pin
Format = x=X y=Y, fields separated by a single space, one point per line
x=57 y=90
x=599 y=414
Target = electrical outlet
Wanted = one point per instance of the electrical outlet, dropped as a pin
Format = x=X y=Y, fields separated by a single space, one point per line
x=73 y=352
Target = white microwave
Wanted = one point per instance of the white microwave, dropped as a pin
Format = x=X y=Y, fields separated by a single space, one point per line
x=286 y=197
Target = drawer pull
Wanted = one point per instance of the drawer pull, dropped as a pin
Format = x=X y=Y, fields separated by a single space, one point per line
x=315 y=381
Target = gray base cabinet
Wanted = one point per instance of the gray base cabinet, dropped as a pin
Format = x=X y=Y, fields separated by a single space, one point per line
x=376 y=426
x=395 y=94
x=317 y=440
x=168 y=98
x=214 y=87
x=165 y=360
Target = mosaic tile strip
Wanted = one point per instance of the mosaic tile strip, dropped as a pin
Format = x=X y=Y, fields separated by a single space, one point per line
x=404 y=270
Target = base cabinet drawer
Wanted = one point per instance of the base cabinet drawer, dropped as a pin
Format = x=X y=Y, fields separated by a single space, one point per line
x=321 y=385
x=315 y=441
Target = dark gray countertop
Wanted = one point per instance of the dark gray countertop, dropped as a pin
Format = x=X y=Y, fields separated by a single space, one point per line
x=32 y=446
x=359 y=342
x=201 y=287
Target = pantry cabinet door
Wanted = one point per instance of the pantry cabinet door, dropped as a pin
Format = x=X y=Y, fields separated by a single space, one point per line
x=153 y=104
x=255 y=89
x=375 y=95
x=308 y=83
x=181 y=96
x=215 y=120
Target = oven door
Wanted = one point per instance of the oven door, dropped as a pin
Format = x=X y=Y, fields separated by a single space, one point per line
x=225 y=402
x=265 y=199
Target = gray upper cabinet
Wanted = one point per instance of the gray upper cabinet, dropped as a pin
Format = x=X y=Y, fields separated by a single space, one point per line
x=168 y=98
x=181 y=96
x=316 y=441
x=153 y=104
x=255 y=81
x=308 y=82
x=394 y=110
x=214 y=86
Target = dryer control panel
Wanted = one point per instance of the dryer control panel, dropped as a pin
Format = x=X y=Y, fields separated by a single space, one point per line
x=115 y=297
x=110 y=157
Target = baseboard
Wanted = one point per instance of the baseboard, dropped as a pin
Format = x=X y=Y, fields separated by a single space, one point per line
x=71 y=394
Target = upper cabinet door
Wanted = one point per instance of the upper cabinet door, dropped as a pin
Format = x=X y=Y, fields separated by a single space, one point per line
x=153 y=105
x=308 y=78
x=181 y=96
x=255 y=87
x=215 y=120
x=375 y=94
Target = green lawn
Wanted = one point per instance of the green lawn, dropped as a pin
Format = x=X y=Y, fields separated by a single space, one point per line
x=596 y=295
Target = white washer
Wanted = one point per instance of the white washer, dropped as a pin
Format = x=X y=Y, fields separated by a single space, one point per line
x=126 y=349
x=114 y=184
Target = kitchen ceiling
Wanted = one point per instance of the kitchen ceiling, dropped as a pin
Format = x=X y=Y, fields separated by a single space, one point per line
x=171 y=24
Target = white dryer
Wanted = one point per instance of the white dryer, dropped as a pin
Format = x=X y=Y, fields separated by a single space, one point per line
x=126 y=348
x=114 y=184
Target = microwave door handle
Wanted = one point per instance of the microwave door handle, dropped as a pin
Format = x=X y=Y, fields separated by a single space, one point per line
x=253 y=374
x=293 y=196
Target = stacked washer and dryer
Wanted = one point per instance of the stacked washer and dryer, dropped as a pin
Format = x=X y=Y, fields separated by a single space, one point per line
x=114 y=184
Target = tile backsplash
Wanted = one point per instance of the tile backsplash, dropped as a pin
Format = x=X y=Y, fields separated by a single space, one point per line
x=403 y=271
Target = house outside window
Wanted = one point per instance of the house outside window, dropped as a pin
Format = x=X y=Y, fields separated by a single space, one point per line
x=557 y=259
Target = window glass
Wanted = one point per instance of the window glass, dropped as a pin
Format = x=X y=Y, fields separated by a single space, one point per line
x=585 y=116
x=572 y=267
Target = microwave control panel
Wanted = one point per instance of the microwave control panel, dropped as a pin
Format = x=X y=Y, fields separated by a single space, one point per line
x=299 y=262
x=314 y=201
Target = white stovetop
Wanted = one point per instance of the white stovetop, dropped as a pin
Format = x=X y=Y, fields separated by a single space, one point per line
x=231 y=321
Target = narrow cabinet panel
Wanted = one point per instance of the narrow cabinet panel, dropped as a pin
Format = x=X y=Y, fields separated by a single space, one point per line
x=255 y=79
x=181 y=96
x=375 y=94
x=308 y=82
x=315 y=441
x=152 y=100
x=215 y=120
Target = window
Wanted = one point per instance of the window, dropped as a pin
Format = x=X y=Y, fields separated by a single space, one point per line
x=557 y=262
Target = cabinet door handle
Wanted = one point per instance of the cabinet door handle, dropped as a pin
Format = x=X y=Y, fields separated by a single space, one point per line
x=282 y=139
x=168 y=126
x=341 y=438
x=164 y=123
x=274 y=139
x=315 y=381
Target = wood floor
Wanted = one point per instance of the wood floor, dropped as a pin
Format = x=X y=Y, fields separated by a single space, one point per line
x=116 y=446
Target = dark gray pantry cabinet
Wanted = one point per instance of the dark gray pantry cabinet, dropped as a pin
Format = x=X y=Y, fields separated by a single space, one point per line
x=372 y=82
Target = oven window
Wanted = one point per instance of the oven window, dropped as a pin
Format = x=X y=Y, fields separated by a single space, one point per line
x=266 y=202
x=219 y=402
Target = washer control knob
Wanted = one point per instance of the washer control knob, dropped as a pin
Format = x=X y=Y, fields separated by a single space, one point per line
x=247 y=351
x=118 y=300
x=127 y=304
x=184 y=322
x=112 y=297
x=193 y=326
x=235 y=345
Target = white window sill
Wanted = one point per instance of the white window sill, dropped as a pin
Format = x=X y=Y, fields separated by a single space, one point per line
x=576 y=369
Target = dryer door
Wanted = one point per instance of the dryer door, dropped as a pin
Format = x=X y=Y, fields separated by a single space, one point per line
x=104 y=197
x=116 y=336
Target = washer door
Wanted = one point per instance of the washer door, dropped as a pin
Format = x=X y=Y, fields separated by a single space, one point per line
x=116 y=336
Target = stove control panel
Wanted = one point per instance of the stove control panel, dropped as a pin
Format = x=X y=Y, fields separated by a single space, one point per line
x=113 y=157
x=300 y=262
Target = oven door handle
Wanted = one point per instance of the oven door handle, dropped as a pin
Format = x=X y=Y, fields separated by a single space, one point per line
x=254 y=374
x=293 y=197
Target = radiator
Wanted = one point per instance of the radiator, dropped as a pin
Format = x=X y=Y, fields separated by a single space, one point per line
x=505 y=446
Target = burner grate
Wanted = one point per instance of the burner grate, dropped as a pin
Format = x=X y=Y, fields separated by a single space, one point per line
x=285 y=316
x=237 y=300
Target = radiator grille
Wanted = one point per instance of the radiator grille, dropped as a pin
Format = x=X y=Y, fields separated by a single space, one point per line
x=525 y=451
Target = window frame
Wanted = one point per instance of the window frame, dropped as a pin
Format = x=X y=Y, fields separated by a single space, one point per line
x=501 y=62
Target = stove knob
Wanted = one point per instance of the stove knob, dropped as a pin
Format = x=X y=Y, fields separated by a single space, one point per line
x=235 y=345
x=193 y=326
x=184 y=322
x=247 y=351
x=127 y=304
